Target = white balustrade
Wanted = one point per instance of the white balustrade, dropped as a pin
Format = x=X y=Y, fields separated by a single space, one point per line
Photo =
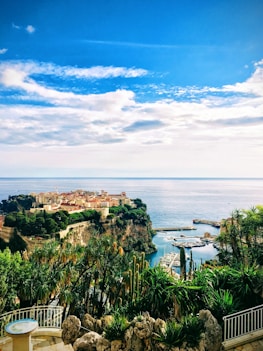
x=46 y=316
x=244 y=322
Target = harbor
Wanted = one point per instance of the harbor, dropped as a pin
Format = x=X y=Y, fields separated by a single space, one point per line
x=170 y=260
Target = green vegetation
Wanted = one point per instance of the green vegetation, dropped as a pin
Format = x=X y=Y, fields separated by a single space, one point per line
x=103 y=278
x=189 y=330
x=116 y=329
x=16 y=203
x=125 y=213
x=47 y=224
x=240 y=238
x=173 y=334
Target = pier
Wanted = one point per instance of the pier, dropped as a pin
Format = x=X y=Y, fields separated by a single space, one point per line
x=170 y=260
x=205 y=221
x=174 y=229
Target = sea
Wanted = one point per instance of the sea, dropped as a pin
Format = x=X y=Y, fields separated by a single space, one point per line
x=171 y=202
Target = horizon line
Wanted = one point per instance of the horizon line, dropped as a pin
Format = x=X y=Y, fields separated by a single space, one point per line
x=127 y=177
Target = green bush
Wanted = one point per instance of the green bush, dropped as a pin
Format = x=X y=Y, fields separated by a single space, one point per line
x=116 y=329
x=173 y=334
x=193 y=327
x=189 y=331
x=220 y=303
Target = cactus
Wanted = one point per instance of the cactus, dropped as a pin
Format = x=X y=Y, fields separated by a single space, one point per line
x=134 y=276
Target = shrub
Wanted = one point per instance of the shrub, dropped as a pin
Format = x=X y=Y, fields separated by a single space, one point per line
x=173 y=334
x=189 y=331
x=116 y=329
x=221 y=303
x=193 y=327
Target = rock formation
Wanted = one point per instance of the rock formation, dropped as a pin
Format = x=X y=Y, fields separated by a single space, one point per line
x=141 y=335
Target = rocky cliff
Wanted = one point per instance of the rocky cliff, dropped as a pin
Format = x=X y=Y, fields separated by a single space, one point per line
x=131 y=236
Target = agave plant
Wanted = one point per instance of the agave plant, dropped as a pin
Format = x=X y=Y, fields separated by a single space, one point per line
x=193 y=327
x=116 y=329
x=173 y=334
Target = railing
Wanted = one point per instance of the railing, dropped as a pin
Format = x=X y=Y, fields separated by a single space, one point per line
x=244 y=322
x=47 y=317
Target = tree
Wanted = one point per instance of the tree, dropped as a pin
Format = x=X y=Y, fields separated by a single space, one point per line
x=241 y=238
x=10 y=272
x=182 y=263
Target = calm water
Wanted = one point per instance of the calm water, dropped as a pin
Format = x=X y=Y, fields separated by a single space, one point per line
x=170 y=202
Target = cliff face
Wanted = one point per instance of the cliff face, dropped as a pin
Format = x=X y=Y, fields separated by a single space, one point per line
x=131 y=236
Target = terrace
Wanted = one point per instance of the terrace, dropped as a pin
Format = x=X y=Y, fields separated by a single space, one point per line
x=242 y=331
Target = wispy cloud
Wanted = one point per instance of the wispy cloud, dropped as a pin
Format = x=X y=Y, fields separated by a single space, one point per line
x=15 y=26
x=3 y=51
x=131 y=44
x=29 y=28
x=96 y=72
x=140 y=45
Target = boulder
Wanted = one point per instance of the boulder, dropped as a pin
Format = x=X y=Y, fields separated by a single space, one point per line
x=132 y=341
x=70 y=329
x=106 y=320
x=89 y=322
x=159 y=326
x=213 y=331
x=103 y=345
x=88 y=342
x=116 y=345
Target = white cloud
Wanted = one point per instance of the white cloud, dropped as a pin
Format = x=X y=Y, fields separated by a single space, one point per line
x=3 y=51
x=253 y=85
x=217 y=123
x=95 y=72
x=30 y=29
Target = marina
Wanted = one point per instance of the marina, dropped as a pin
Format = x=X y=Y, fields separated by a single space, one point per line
x=170 y=260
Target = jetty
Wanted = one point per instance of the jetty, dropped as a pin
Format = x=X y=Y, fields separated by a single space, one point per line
x=205 y=221
x=174 y=229
x=189 y=245
x=170 y=260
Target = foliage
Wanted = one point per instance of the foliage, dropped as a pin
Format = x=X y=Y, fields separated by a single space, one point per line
x=125 y=213
x=9 y=273
x=220 y=303
x=193 y=327
x=241 y=237
x=42 y=223
x=173 y=334
x=101 y=277
x=189 y=330
x=116 y=329
x=244 y=284
x=156 y=298
x=16 y=203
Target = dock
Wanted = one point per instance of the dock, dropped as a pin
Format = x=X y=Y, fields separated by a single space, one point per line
x=205 y=221
x=170 y=260
x=174 y=229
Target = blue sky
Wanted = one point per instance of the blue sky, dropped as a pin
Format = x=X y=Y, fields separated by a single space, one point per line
x=136 y=88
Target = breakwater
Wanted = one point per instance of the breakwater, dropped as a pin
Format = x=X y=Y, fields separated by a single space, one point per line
x=205 y=221
x=174 y=229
